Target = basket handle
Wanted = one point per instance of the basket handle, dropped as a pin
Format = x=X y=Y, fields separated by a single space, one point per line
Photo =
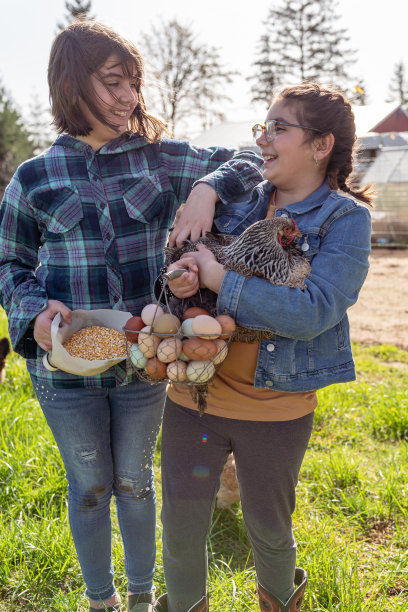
x=169 y=276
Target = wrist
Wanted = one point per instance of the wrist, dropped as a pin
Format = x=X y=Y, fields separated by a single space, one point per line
x=214 y=276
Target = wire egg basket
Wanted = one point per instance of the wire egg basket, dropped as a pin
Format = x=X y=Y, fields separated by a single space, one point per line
x=177 y=355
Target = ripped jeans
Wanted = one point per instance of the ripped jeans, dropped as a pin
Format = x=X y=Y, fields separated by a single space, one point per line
x=107 y=439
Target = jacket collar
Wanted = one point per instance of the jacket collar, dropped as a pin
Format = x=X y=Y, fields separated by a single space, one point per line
x=313 y=200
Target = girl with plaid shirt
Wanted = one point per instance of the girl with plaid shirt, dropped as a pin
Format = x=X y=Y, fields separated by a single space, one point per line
x=82 y=226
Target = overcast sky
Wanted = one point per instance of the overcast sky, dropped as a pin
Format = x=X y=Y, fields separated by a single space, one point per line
x=378 y=30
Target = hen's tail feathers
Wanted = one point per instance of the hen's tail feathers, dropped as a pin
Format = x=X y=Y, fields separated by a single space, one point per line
x=199 y=394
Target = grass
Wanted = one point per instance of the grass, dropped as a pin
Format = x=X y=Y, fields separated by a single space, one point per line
x=351 y=520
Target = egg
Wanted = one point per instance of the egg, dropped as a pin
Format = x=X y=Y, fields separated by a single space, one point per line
x=132 y=326
x=137 y=357
x=155 y=368
x=150 y=312
x=200 y=371
x=222 y=351
x=147 y=342
x=198 y=349
x=183 y=357
x=169 y=349
x=206 y=326
x=177 y=371
x=227 y=324
x=166 y=324
x=194 y=311
x=187 y=327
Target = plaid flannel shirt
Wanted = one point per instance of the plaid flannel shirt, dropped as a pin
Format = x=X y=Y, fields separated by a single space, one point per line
x=88 y=228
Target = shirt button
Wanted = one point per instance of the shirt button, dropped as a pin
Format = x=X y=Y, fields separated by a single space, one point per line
x=116 y=299
x=269 y=383
x=108 y=236
x=95 y=178
x=270 y=347
x=284 y=215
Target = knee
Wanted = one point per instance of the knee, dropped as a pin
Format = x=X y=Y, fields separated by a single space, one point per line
x=134 y=487
x=91 y=497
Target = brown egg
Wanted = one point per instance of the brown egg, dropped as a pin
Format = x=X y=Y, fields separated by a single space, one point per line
x=198 y=349
x=194 y=311
x=132 y=326
x=166 y=324
x=227 y=324
x=206 y=327
x=177 y=371
x=147 y=342
x=156 y=368
x=169 y=349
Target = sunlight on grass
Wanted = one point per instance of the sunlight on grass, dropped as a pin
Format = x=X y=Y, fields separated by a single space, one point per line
x=351 y=519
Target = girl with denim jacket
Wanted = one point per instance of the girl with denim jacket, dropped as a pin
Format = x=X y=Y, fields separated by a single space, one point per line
x=261 y=402
x=83 y=225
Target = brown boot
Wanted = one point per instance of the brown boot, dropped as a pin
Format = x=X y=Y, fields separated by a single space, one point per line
x=270 y=603
x=200 y=606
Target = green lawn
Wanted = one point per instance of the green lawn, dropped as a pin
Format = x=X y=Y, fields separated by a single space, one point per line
x=351 y=518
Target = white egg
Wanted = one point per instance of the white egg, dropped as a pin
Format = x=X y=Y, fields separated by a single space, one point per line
x=200 y=371
x=137 y=357
x=222 y=351
x=150 y=312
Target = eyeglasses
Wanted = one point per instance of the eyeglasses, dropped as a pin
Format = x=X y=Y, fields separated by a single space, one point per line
x=270 y=129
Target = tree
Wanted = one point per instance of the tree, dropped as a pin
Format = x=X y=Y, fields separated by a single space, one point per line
x=303 y=44
x=399 y=85
x=190 y=77
x=358 y=94
x=15 y=145
x=79 y=9
x=39 y=125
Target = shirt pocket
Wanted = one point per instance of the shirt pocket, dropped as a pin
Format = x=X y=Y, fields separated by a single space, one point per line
x=58 y=210
x=143 y=198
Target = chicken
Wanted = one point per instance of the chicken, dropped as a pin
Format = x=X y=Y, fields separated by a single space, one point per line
x=4 y=351
x=267 y=249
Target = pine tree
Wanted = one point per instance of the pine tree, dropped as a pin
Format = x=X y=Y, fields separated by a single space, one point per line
x=39 y=125
x=398 y=87
x=191 y=81
x=304 y=43
x=15 y=145
x=78 y=9
x=265 y=76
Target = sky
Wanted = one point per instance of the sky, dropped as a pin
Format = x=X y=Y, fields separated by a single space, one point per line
x=377 y=30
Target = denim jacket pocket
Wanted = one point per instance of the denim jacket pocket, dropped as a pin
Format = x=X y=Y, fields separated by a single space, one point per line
x=143 y=197
x=58 y=210
x=310 y=242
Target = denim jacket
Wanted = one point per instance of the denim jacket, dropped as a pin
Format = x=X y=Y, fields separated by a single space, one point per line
x=311 y=348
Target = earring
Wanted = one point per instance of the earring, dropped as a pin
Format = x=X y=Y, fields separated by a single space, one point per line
x=316 y=162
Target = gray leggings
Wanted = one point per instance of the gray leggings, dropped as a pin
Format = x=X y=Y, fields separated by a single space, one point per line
x=268 y=457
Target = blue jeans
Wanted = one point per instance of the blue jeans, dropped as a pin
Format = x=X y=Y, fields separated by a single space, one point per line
x=107 y=439
x=268 y=456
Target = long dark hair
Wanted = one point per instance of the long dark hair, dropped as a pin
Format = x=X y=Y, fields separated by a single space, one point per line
x=328 y=110
x=79 y=51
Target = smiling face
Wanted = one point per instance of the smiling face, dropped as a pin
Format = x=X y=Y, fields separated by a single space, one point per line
x=289 y=158
x=115 y=97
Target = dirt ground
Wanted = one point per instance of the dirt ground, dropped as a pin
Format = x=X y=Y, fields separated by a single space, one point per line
x=381 y=313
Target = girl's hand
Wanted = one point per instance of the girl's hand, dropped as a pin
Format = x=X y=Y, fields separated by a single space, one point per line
x=42 y=323
x=187 y=284
x=211 y=273
x=197 y=215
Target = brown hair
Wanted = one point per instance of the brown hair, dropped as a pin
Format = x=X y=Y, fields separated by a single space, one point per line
x=79 y=51
x=329 y=111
